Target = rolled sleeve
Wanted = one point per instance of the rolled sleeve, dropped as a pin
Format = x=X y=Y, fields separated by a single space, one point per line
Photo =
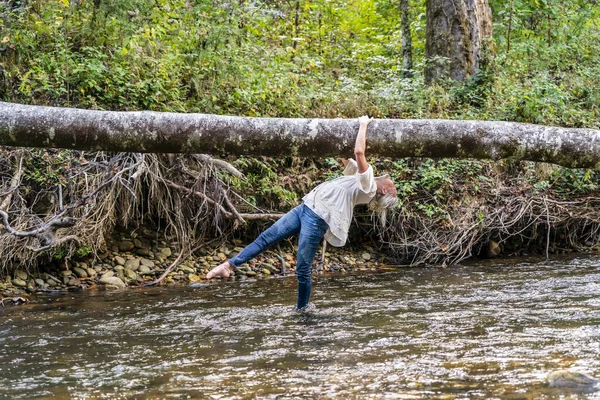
x=366 y=180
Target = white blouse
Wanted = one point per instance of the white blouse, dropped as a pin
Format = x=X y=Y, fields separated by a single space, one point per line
x=334 y=200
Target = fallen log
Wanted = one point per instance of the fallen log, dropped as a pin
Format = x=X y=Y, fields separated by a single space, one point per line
x=162 y=132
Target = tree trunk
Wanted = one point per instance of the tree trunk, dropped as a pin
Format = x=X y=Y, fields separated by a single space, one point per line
x=156 y=132
x=457 y=31
x=407 y=60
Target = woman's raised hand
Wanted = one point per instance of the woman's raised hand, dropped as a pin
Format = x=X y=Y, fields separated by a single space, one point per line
x=365 y=120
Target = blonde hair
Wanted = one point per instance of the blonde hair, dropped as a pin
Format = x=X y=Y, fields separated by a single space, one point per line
x=380 y=204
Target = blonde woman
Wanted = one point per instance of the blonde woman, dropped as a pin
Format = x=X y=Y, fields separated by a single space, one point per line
x=324 y=212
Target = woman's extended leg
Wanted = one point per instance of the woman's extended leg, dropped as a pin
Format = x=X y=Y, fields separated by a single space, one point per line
x=312 y=232
x=285 y=227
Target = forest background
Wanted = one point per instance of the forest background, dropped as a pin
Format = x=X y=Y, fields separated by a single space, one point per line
x=306 y=59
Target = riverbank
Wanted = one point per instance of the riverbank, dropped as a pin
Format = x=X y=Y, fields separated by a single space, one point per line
x=138 y=258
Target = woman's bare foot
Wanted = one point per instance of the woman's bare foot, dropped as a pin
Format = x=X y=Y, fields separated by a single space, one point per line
x=223 y=270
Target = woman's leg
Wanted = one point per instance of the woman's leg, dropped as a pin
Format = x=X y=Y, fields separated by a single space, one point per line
x=285 y=227
x=311 y=233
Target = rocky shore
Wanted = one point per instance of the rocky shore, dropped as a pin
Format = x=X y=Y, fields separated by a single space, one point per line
x=135 y=258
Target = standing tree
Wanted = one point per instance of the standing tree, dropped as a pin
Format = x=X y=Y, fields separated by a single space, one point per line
x=457 y=33
x=407 y=61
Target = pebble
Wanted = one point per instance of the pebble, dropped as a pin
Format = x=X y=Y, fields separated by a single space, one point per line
x=194 y=278
x=166 y=251
x=65 y=273
x=120 y=260
x=130 y=275
x=20 y=274
x=126 y=245
x=366 y=256
x=186 y=269
x=19 y=282
x=132 y=264
x=146 y=262
x=144 y=252
x=108 y=274
x=81 y=273
x=144 y=269
x=112 y=281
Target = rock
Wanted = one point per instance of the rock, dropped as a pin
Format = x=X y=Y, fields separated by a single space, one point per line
x=366 y=256
x=83 y=266
x=81 y=273
x=126 y=245
x=120 y=260
x=65 y=273
x=40 y=282
x=73 y=282
x=194 y=278
x=270 y=267
x=19 y=282
x=132 y=264
x=144 y=252
x=492 y=249
x=572 y=379
x=144 y=270
x=130 y=275
x=266 y=271
x=138 y=243
x=112 y=281
x=186 y=269
x=91 y=272
x=222 y=256
x=20 y=274
x=108 y=274
x=166 y=251
x=146 y=262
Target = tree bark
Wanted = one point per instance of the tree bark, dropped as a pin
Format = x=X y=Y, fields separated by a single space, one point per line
x=456 y=33
x=158 y=132
x=407 y=60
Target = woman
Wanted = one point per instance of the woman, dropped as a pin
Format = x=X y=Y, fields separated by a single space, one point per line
x=325 y=212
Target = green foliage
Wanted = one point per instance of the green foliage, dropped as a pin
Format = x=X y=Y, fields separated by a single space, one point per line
x=305 y=58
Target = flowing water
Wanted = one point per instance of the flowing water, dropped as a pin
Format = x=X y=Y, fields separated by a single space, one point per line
x=490 y=330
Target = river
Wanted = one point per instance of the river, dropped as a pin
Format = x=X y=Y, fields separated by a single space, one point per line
x=486 y=330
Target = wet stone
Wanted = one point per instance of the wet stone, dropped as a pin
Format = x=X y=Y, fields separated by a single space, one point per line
x=366 y=256
x=132 y=264
x=81 y=273
x=126 y=245
x=130 y=275
x=144 y=269
x=65 y=273
x=19 y=282
x=144 y=252
x=108 y=274
x=113 y=281
x=166 y=251
x=146 y=262
x=20 y=274
x=186 y=269
x=119 y=260
x=91 y=272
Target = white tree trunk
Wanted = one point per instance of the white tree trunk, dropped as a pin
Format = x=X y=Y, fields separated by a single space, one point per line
x=157 y=132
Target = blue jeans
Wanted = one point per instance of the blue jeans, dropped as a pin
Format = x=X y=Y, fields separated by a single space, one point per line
x=300 y=221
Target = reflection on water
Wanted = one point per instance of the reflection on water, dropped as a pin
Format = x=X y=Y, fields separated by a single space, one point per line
x=487 y=330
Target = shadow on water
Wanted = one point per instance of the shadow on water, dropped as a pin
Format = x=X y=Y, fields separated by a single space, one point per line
x=489 y=330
